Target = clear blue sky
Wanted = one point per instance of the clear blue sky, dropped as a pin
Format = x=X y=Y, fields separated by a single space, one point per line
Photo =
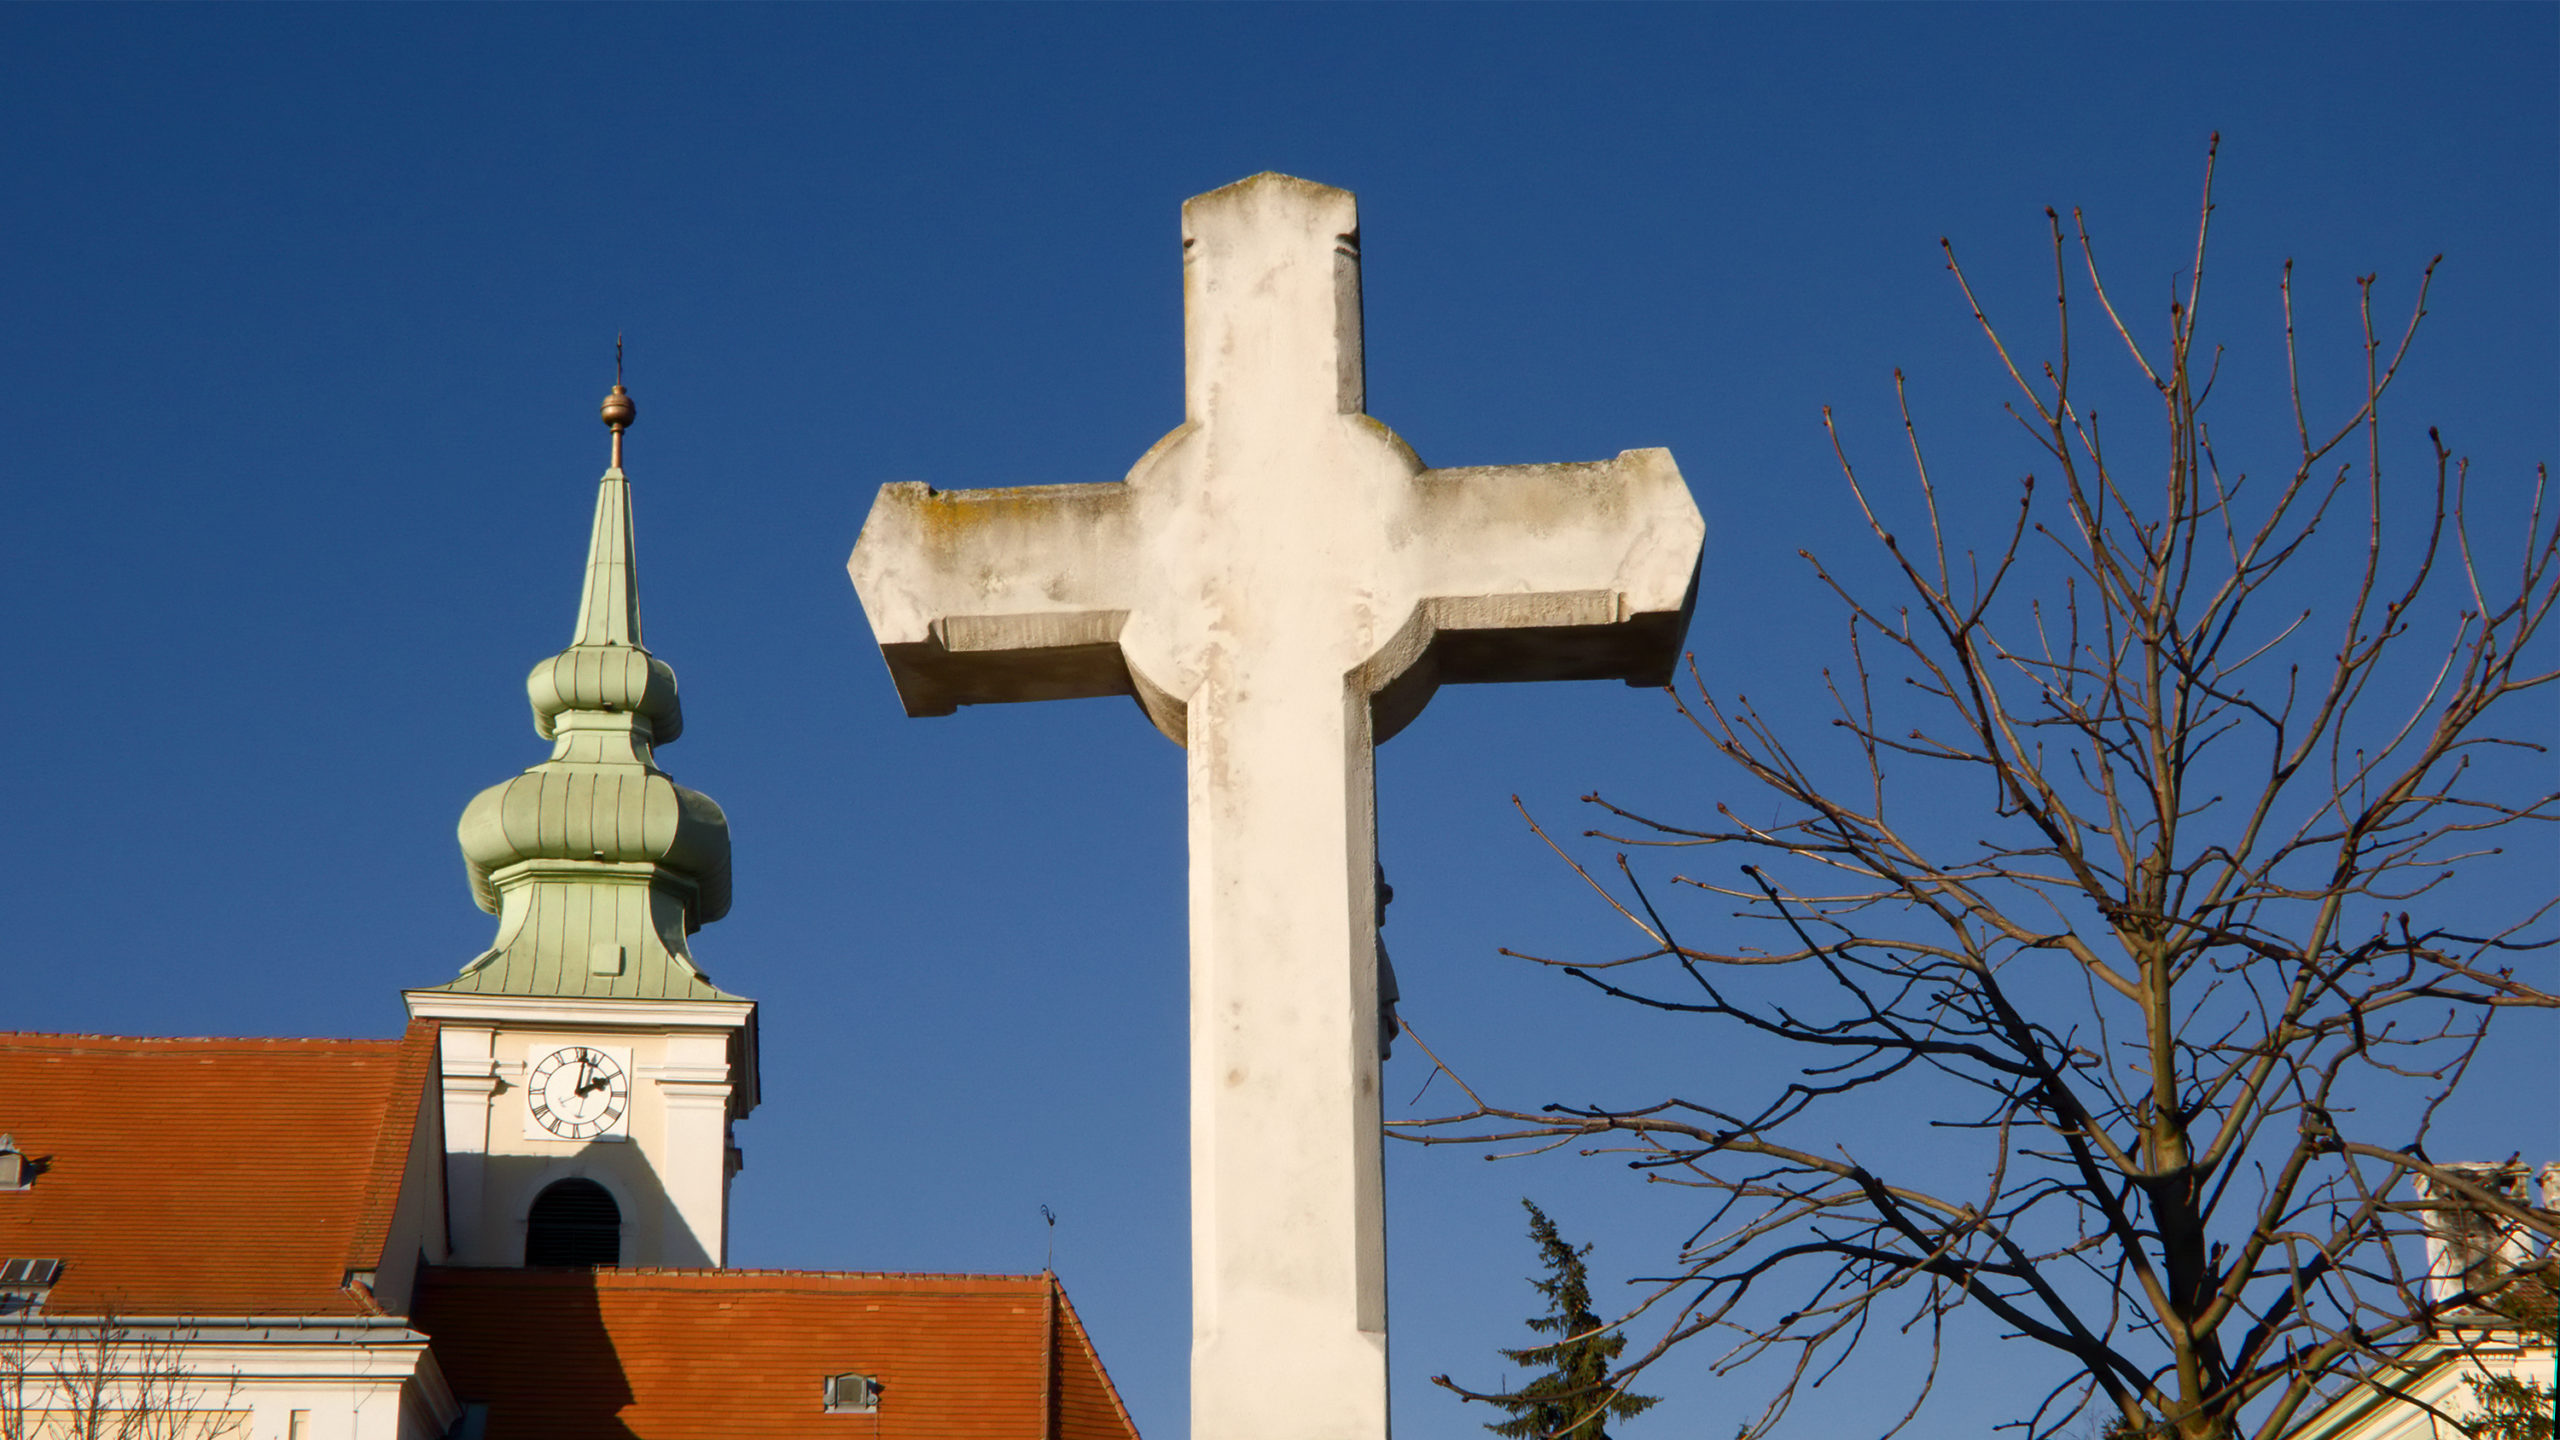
x=304 y=313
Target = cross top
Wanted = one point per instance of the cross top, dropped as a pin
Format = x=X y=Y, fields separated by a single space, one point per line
x=1418 y=576
x=1281 y=583
x=1271 y=271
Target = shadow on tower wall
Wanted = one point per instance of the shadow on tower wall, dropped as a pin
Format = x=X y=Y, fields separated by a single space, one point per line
x=539 y=1346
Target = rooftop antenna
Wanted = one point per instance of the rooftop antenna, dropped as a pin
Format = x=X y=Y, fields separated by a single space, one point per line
x=618 y=410
x=1051 y=1264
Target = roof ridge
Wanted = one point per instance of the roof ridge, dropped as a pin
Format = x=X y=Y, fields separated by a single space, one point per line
x=11 y=1037
x=744 y=1273
x=392 y=1145
x=1093 y=1353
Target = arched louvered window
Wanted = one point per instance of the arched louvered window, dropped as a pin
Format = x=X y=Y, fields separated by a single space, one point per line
x=574 y=1223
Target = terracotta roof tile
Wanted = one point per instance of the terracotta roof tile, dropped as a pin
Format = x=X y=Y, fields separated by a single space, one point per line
x=667 y=1355
x=207 y=1177
x=415 y=1072
x=1088 y=1403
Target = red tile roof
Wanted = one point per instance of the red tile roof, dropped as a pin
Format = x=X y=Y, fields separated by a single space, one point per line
x=208 y=1177
x=736 y=1354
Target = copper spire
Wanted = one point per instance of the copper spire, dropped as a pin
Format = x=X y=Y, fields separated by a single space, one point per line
x=618 y=411
x=597 y=863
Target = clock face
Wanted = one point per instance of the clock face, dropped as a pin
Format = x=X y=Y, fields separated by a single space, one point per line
x=579 y=1092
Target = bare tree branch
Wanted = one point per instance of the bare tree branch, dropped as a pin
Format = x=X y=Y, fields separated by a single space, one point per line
x=2131 y=857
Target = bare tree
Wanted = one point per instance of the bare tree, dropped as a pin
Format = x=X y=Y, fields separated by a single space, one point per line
x=20 y=1412
x=95 y=1379
x=2132 y=863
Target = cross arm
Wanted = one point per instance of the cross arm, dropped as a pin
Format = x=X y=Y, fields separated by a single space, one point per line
x=982 y=596
x=1545 y=572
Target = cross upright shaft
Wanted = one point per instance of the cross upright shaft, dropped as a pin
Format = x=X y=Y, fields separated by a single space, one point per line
x=1281 y=584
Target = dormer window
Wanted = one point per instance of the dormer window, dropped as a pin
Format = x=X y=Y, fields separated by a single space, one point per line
x=13 y=1165
x=853 y=1394
x=23 y=1283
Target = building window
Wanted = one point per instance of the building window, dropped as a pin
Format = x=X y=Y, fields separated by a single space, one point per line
x=853 y=1394
x=22 y=1291
x=574 y=1223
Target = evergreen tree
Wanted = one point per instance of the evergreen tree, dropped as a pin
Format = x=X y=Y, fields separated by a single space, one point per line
x=1573 y=1398
x=2518 y=1406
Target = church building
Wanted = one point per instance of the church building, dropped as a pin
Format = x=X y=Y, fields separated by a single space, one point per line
x=512 y=1220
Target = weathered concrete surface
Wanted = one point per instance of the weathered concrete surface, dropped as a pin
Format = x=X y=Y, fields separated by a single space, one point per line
x=1281 y=584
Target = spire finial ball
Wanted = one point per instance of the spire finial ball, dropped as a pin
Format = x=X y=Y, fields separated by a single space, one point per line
x=618 y=411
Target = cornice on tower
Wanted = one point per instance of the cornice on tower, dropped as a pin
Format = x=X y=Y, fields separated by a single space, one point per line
x=596 y=863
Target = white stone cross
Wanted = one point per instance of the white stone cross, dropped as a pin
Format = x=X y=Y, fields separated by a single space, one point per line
x=1282 y=585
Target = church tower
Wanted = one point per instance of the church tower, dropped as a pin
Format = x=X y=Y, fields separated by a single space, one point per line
x=591 y=1070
